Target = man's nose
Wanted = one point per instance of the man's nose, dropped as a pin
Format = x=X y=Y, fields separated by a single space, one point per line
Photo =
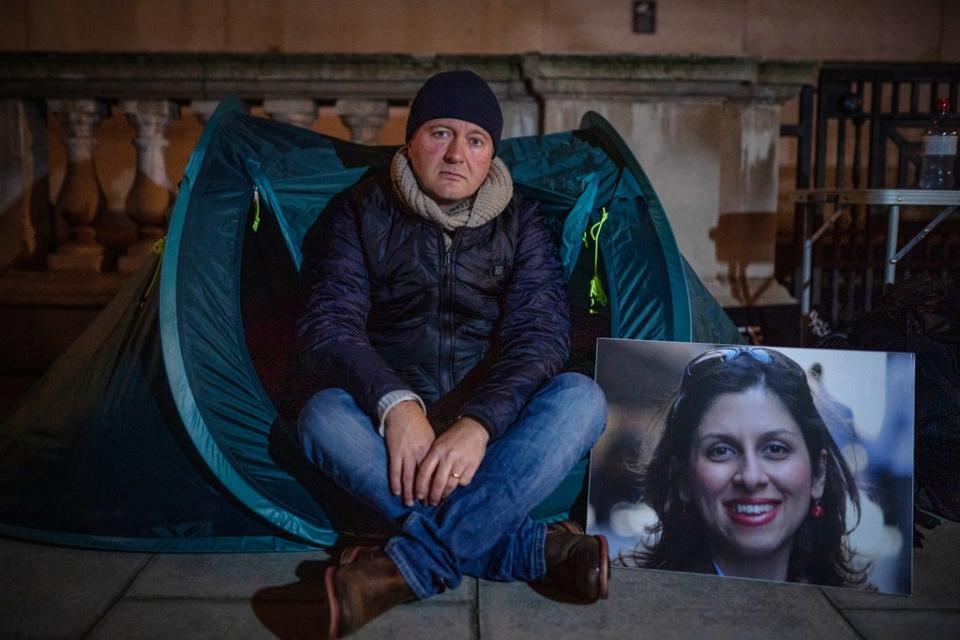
x=455 y=150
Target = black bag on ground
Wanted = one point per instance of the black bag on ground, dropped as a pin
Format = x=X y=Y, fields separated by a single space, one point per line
x=922 y=316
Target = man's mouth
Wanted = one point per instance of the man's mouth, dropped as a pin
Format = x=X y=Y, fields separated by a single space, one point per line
x=752 y=513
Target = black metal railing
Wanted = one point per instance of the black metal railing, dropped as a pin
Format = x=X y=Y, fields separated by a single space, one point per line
x=863 y=130
x=893 y=103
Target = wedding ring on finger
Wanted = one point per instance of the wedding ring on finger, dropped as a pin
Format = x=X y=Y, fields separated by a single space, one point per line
x=455 y=476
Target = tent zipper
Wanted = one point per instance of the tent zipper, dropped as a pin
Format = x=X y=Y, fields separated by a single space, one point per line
x=256 y=209
x=598 y=297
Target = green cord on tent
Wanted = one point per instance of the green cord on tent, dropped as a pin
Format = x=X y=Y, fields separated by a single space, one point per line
x=597 y=295
x=157 y=249
x=256 y=209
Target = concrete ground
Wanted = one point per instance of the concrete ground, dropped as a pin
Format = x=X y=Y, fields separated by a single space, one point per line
x=53 y=592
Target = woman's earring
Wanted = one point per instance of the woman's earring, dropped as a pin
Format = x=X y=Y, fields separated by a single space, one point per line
x=816 y=509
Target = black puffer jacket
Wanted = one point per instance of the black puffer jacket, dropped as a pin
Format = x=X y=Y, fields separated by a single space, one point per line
x=389 y=307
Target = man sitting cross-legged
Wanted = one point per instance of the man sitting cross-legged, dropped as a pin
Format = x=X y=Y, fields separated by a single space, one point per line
x=434 y=287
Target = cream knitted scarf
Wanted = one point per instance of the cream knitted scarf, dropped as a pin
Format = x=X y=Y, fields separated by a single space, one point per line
x=491 y=198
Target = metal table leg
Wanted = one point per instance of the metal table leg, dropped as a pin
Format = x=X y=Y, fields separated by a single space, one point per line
x=893 y=222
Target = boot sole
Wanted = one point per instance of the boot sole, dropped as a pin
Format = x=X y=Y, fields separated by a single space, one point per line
x=604 y=577
x=332 y=603
x=352 y=553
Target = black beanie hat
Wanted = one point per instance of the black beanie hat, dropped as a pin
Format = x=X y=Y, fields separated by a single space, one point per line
x=457 y=94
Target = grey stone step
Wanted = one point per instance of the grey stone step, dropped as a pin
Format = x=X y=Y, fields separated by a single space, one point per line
x=55 y=592
x=654 y=604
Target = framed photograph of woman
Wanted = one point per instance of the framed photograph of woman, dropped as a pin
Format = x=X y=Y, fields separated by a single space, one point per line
x=756 y=462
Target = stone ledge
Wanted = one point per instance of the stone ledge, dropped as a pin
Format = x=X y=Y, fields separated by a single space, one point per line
x=638 y=77
x=180 y=76
x=395 y=77
x=58 y=289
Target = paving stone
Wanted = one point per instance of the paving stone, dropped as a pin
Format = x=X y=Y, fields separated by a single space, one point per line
x=653 y=604
x=181 y=619
x=432 y=620
x=936 y=578
x=266 y=576
x=55 y=592
x=161 y=619
x=466 y=593
x=230 y=575
x=898 y=624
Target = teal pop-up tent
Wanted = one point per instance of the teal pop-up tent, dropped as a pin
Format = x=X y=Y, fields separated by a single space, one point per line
x=166 y=426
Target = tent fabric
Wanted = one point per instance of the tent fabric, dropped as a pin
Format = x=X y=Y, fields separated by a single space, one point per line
x=157 y=430
x=92 y=458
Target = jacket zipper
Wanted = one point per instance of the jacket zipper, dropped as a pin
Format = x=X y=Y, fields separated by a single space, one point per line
x=446 y=314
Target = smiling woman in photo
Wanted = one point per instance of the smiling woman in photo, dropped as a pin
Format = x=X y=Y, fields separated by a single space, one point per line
x=746 y=480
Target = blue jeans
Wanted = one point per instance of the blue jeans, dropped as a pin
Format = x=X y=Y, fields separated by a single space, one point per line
x=482 y=529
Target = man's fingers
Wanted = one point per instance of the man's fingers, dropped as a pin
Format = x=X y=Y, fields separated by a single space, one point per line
x=409 y=470
x=467 y=476
x=441 y=477
x=424 y=474
x=408 y=437
x=452 y=484
x=395 y=468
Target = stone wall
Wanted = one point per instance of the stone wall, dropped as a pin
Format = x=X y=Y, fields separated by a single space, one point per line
x=894 y=30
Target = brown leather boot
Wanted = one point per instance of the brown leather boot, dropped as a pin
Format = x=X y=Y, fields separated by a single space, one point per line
x=576 y=563
x=364 y=587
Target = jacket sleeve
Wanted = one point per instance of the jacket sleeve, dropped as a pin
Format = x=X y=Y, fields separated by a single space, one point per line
x=533 y=339
x=332 y=330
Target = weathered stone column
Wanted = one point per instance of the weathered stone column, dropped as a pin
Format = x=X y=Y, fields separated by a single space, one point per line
x=80 y=201
x=520 y=117
x=706 y=132
x=151 y=193
x=744 y=239
x=26 y=226
x=300 y=113
x=364 y=118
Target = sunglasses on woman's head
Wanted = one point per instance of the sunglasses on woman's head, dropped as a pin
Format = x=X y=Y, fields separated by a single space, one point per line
x=726 y=354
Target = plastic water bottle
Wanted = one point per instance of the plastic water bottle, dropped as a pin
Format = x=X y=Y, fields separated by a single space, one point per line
x=939 y=150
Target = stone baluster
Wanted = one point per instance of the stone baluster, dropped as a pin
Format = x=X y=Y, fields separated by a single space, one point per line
x=300 y=113
x=364 y=118
x=80 y=200
x=26 y=226
x=150 y=195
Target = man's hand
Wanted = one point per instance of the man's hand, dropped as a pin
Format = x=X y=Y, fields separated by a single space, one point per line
x=408 y=435
x=452 y=460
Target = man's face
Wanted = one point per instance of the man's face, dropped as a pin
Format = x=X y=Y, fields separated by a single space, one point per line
x=451 y=158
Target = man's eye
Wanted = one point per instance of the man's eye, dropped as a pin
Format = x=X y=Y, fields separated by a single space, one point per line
x=477 y=142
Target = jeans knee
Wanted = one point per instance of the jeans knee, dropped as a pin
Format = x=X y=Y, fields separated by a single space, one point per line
x=587 y=401
x=586 y=394
x=323 y=420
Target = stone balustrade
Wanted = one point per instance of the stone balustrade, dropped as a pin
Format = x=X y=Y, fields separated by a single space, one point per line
x=705 y=130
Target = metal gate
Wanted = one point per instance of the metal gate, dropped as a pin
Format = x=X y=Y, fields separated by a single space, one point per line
x=860 y=128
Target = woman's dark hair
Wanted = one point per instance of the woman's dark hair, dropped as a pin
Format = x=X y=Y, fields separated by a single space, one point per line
x=820 y=554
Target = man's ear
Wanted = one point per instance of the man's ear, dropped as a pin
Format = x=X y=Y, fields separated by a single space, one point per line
x=820 y=479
